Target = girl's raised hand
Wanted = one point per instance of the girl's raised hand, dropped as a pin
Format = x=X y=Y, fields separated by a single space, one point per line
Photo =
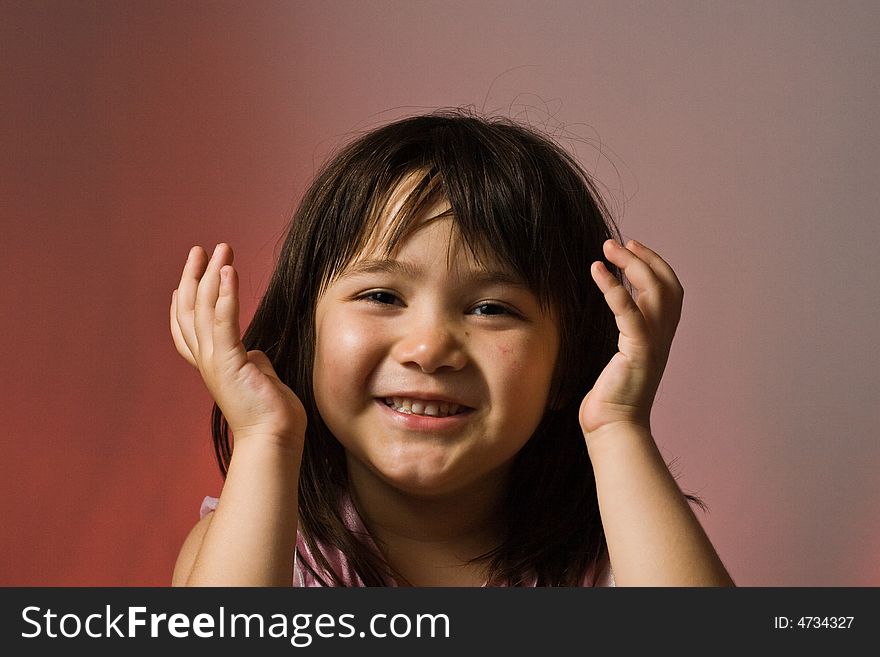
x=624 y=391
x=205 y=328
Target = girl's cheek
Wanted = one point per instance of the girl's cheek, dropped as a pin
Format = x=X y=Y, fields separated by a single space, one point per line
x=355 y=347
x=530 y=358
x=339 y=358
x=350 y=337
x=510 y=356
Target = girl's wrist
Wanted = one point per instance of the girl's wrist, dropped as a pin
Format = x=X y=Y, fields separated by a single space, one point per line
x=283 y=444
x=614 y=434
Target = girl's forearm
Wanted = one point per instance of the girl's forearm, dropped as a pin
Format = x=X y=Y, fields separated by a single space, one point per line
x=654 y=538
x=252 y=534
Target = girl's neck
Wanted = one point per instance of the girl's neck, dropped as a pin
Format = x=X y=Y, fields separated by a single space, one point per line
x=430 y=540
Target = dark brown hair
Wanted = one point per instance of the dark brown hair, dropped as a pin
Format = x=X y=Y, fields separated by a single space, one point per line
x=514 y=193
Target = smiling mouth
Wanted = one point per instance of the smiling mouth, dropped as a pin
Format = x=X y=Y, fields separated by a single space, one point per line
x=426 y=408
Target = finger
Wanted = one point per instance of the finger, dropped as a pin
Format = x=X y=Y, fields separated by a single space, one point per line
x=206 y=300
x=193 y=270
x=179 y=342
x=637 y=270
x=630 y=321
x=652 y=296
x=664 y=309
x=227 y=330
x=657 y=264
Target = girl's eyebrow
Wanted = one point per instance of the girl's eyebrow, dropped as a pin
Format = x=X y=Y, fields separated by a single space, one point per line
x=409 y=270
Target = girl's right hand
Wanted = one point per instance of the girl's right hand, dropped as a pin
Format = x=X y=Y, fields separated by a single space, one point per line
x=205 y=327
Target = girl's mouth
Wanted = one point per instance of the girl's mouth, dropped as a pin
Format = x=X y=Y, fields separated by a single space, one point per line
x=424 y=407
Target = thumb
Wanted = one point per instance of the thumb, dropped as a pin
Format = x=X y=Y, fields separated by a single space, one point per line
x=261 y=360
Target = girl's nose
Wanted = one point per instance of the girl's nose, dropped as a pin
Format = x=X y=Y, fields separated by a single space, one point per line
x=431 y=346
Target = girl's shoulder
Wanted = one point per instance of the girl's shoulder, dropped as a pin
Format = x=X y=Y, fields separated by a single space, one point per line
x=305 y=564
x=190 y=548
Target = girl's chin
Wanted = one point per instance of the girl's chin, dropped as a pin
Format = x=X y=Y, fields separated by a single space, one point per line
x=420 y=483
x=418 y=479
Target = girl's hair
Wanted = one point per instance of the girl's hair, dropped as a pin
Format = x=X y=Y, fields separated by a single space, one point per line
x=515 y=194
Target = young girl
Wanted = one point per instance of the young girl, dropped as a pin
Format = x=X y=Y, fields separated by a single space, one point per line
x=444 y=384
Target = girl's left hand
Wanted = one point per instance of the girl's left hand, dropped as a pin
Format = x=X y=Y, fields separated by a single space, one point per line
x=624 y=391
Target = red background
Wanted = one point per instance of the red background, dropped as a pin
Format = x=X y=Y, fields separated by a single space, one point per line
x=739 y=139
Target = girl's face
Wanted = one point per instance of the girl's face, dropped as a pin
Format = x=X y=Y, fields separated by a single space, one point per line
x=431 y=369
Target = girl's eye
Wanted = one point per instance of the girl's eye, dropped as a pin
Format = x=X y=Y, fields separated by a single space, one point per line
x=381 y=297
x=492 y=309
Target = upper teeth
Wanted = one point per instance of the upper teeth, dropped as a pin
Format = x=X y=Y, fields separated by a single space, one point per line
x=422 y=407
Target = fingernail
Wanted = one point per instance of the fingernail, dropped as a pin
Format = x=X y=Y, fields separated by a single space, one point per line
x=215 y=250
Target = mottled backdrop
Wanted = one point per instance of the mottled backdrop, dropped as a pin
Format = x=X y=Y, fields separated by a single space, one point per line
x=738 y=138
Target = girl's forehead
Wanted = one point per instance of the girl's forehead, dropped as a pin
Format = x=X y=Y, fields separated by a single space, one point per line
x=448 y=242
x=445 y=247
